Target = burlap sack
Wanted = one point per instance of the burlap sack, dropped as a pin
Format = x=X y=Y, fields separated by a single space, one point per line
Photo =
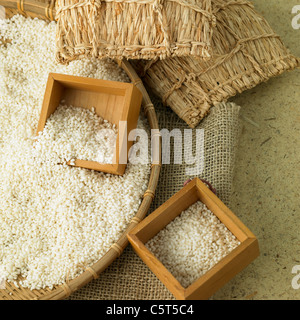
x=128 y=278
x=135 y=29
x=246 y=52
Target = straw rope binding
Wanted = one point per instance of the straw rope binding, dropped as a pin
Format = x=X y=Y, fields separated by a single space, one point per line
x=49 y=10
x=20 y=5
x=135 y=220
x=134 y=29
x=246 y=52
x=93 y=272
x=117 y=248
x=149 y=193
x=67 y=289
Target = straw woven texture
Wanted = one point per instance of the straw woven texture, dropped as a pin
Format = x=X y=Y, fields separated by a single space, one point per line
x=128 y=278
x=246 y=52
x=135 y=29
x=43 y=9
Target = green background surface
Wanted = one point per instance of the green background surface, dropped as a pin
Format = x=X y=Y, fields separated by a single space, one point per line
x=267 y=174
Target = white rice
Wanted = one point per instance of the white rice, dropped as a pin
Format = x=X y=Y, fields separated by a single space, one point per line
x=54 y=219
x=76 y=133
x=192 y=243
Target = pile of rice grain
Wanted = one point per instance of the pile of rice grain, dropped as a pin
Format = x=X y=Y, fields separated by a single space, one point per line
x=192 y=243
x=74 y=133
x=54 y=219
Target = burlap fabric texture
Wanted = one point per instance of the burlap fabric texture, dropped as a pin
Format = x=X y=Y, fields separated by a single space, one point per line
x=246 y=52
x=135 y=29
x=128 y=278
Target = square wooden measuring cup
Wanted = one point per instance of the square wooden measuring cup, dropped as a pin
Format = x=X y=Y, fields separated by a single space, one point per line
x=112 y=100
x=223 y=271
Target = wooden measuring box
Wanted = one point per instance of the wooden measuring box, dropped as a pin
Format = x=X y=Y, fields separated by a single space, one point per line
x=112 y=100
x=223 y=271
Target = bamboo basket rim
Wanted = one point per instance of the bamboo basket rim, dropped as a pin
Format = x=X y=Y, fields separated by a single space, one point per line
x=60 y=292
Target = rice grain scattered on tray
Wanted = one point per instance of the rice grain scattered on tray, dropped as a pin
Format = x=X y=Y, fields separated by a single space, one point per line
x=55 y=220
x=192 y=243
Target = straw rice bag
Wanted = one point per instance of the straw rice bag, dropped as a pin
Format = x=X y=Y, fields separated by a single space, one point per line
x=246 y=52
x=135 y=29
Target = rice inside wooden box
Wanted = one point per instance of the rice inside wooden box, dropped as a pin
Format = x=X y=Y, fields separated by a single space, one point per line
x=134 y=29
x=112 y=100
x=220 y=273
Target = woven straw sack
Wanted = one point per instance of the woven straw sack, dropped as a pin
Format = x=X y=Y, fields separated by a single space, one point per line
x=135 y=29
x=246 y=52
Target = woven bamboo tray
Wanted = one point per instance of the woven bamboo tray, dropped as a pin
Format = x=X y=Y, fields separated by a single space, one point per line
x=11 y=292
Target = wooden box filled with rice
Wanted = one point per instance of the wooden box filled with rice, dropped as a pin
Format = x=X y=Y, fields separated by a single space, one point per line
x=193 y=243
x=89 y=120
